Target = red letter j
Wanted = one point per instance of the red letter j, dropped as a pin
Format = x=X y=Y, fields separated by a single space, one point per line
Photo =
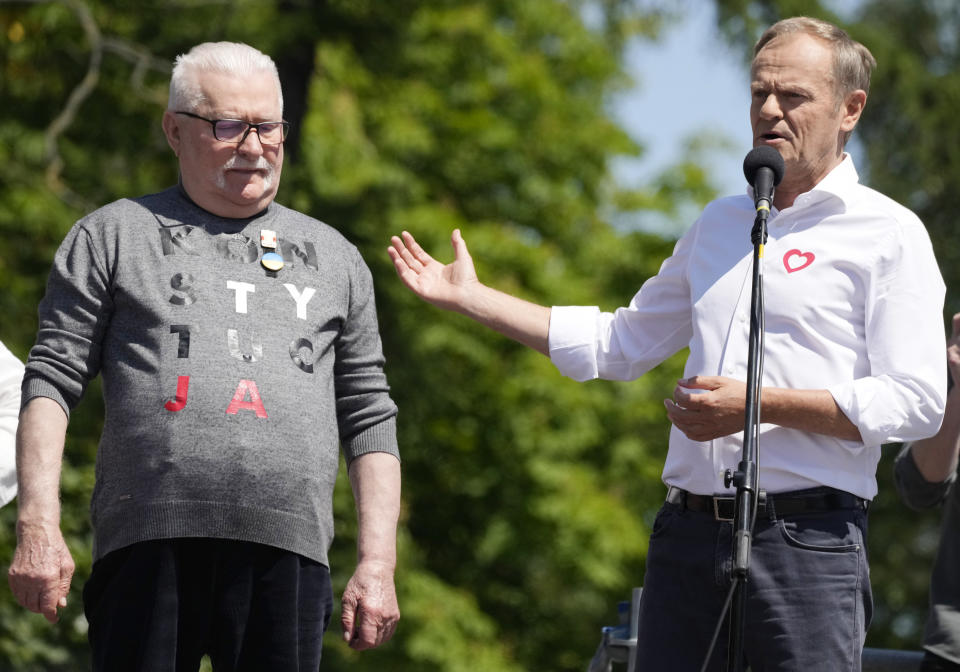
x=179 y=401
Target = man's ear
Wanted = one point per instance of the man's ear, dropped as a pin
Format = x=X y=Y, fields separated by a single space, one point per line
x=852 y=109
x=171 y=128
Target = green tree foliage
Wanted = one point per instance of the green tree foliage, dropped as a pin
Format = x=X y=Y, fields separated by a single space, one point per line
x=910 y=141
x=527 y=497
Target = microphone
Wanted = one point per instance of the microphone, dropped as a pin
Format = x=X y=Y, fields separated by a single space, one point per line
x=763 y=169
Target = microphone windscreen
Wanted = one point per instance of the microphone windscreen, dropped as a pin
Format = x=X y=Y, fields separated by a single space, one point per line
x=763 y=156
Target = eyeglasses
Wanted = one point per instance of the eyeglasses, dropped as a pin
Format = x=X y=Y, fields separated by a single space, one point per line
x=237 y=130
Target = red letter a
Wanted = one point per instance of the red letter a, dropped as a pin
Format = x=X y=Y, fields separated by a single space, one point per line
x=255 y=404
x=179 y=401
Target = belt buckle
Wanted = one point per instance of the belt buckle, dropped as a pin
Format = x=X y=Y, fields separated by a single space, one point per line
x=716 y=509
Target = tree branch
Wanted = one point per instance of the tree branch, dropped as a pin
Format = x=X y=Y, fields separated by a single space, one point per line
x=143 y=61
x=76 y=98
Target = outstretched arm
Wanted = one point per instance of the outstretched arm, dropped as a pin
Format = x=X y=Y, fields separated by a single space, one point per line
x=455 y=287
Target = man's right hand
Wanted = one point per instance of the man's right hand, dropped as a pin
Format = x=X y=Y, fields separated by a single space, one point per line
x=42 y=569
x=442 y=285
x=455 y=287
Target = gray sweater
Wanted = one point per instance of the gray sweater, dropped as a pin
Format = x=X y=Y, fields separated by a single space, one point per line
x=228 y=388
x=942 y=633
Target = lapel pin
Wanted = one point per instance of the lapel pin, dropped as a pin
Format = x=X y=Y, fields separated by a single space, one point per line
x=272 y=261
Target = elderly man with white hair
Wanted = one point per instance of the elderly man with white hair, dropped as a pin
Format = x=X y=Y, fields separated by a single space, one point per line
x=239 y=351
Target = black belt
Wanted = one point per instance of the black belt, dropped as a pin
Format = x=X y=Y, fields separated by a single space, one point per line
x=776 y=505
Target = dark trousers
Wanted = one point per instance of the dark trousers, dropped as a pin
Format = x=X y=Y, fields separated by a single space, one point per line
x=808 y=592
x=159 y=606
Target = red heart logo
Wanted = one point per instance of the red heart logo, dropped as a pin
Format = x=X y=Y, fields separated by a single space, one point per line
x=795 y=260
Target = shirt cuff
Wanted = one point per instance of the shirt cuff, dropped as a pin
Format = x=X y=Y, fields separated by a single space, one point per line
x=573 y=339
x=880 y=415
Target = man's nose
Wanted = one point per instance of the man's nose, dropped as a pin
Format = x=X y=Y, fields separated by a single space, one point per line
x=251 y=143
x=771 y=108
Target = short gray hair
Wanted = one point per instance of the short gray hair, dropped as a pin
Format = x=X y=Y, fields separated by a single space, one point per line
x=852 y=62
x=230 y=58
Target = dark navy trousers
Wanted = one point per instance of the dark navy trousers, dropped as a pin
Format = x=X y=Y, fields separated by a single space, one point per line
x=808 y=592
x=159 y=606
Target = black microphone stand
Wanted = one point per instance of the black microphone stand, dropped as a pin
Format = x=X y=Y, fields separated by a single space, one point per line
x=746 y=477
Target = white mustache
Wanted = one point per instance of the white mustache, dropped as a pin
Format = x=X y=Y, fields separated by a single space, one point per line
x=236 y=162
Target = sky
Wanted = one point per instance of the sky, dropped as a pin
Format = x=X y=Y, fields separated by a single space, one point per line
x=688 y=83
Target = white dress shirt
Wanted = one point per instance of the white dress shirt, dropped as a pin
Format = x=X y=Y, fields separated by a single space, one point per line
x=11 y=374
x=853 y=304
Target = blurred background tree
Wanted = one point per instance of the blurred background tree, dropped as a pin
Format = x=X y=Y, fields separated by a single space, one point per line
x=527 y=497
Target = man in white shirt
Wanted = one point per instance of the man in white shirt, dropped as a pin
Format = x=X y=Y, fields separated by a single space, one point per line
x=11 y=374
x=853 y=360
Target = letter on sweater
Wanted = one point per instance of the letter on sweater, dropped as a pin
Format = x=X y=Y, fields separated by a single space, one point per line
x=238 y=248
x=239 y=402
x=305 y=364
x=183 y=348
x=179 y=401
x=233 y=344
x=183 y=283
x=241 y=288
x=301 y=298
x=308 y=255
x=176 y=241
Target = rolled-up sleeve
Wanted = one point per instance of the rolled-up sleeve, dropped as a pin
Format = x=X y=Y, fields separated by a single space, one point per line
x=586 y=343
x=573 y=340
x=904 y=397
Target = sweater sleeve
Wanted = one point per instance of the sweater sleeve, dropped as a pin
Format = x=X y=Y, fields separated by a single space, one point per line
x=72 y=319
x=365 y=412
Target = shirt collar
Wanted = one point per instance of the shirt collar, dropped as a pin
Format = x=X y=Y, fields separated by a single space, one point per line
x=837 y=184
x=840 y=181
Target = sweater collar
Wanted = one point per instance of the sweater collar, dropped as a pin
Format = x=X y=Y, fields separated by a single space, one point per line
x=188 y=212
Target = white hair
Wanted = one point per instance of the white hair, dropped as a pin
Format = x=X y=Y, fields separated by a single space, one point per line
x=229 y=58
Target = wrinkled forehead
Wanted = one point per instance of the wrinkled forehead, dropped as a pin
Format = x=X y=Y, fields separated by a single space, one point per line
x=796 y=57
x=256 y=95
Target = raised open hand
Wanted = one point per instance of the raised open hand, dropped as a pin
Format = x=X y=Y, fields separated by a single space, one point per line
x=443 y=285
